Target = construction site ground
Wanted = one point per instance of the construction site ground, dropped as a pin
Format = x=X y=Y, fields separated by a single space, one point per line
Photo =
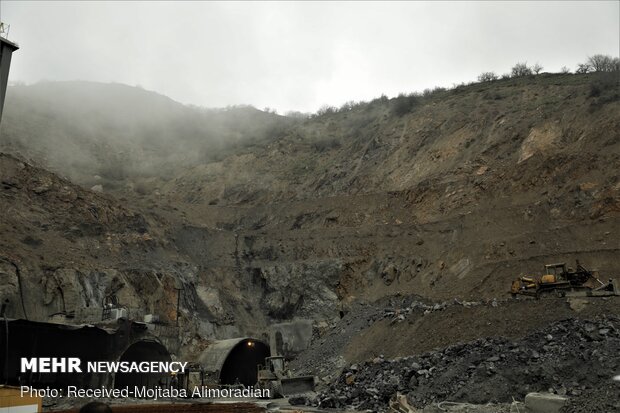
x=181 y=406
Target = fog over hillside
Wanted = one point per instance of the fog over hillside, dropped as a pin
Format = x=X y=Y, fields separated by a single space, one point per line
x=97 y=133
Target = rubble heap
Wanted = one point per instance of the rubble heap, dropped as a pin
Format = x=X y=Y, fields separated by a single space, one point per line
x=571 y=357
x=325 y=359
x=603 y=398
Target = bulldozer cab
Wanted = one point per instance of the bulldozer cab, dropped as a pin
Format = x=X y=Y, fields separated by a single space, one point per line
x=558 y=270
x=275 y=364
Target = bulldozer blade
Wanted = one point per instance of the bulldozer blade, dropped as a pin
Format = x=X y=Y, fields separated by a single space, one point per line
x=294 y=385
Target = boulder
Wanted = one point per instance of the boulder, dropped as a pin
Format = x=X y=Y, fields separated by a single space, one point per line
x=544 y=402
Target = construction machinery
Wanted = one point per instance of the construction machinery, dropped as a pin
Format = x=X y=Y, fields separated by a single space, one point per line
x=560 y=281
x=278 y=379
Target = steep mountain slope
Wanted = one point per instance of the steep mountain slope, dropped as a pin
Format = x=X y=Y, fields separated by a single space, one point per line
x=452 y=197
x=368 y=149
x=472 y=188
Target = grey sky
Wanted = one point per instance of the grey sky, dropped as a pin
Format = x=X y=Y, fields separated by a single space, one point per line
x=299 y=55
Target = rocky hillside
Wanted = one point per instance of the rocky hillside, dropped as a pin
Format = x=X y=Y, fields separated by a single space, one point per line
x=469 y=189
x=64 y=249
x=443 y=196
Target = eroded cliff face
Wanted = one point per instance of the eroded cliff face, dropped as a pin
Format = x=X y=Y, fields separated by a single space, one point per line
x=65 y=252
x=455 y=199
x=472 y=188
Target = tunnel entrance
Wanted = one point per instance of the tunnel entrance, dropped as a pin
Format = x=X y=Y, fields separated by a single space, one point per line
x=242 y=361
x=138 y=352
x=27 y=339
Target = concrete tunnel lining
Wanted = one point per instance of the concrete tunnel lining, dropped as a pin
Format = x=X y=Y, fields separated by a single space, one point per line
x=143 y=350
x=234 y=359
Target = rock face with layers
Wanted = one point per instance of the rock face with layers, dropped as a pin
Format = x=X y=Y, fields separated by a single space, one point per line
x=66 y=252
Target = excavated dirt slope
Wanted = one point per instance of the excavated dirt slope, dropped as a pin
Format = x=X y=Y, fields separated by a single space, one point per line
x=455 y=199
x=338 y=215
x=404 y=326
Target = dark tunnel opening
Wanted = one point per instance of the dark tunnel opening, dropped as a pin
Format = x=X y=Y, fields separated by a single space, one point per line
x=242 y=362
x=30 y=339
x=139 y=352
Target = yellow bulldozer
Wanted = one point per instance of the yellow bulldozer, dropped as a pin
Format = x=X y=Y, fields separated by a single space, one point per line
x=560 y=281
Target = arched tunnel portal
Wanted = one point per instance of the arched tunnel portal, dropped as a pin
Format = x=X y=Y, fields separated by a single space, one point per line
x=235 y=360
x=144 y=350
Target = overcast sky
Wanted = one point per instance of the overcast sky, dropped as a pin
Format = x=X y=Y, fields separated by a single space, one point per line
x=299 y=55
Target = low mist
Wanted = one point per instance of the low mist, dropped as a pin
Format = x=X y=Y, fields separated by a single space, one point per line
x=113 y=134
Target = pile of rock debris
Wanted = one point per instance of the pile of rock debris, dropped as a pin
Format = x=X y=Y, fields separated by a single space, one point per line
x=572 y=357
